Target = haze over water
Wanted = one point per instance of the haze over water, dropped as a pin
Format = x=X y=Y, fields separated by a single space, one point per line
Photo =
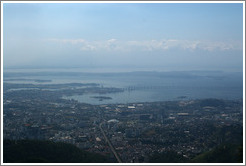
x=141 y=86
x=138 y=36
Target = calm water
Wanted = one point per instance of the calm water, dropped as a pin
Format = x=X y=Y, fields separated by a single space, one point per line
x=150 y=86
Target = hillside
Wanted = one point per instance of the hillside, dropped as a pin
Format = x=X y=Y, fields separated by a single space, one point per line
x=34 y=151
x=226 y=153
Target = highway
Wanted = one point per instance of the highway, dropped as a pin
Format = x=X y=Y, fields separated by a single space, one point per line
x=110 y=145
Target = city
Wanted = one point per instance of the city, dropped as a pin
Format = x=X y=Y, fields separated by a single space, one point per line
x=127 y=133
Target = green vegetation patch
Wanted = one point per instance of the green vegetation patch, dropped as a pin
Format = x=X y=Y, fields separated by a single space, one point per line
x=35 y=151
x=226 y=153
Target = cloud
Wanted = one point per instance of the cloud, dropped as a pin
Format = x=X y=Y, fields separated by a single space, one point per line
x=185 y=45
x=150 y=45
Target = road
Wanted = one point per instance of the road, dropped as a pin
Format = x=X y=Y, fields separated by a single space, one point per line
x=110 y=145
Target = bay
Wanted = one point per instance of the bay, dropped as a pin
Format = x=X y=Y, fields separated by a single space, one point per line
x=145 y=86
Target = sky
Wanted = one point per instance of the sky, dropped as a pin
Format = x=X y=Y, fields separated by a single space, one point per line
x=137 y=36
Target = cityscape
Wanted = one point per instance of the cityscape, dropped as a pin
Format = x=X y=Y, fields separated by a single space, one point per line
x=128 y=133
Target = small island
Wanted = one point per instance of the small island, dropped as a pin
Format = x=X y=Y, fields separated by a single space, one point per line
x=101 y=98
x=24 y=79
x=182 y=97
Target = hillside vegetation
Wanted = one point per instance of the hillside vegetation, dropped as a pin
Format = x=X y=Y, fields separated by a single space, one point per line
x=34 y=151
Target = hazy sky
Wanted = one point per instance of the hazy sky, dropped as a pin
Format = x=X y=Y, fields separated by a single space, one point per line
x=154 y=36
